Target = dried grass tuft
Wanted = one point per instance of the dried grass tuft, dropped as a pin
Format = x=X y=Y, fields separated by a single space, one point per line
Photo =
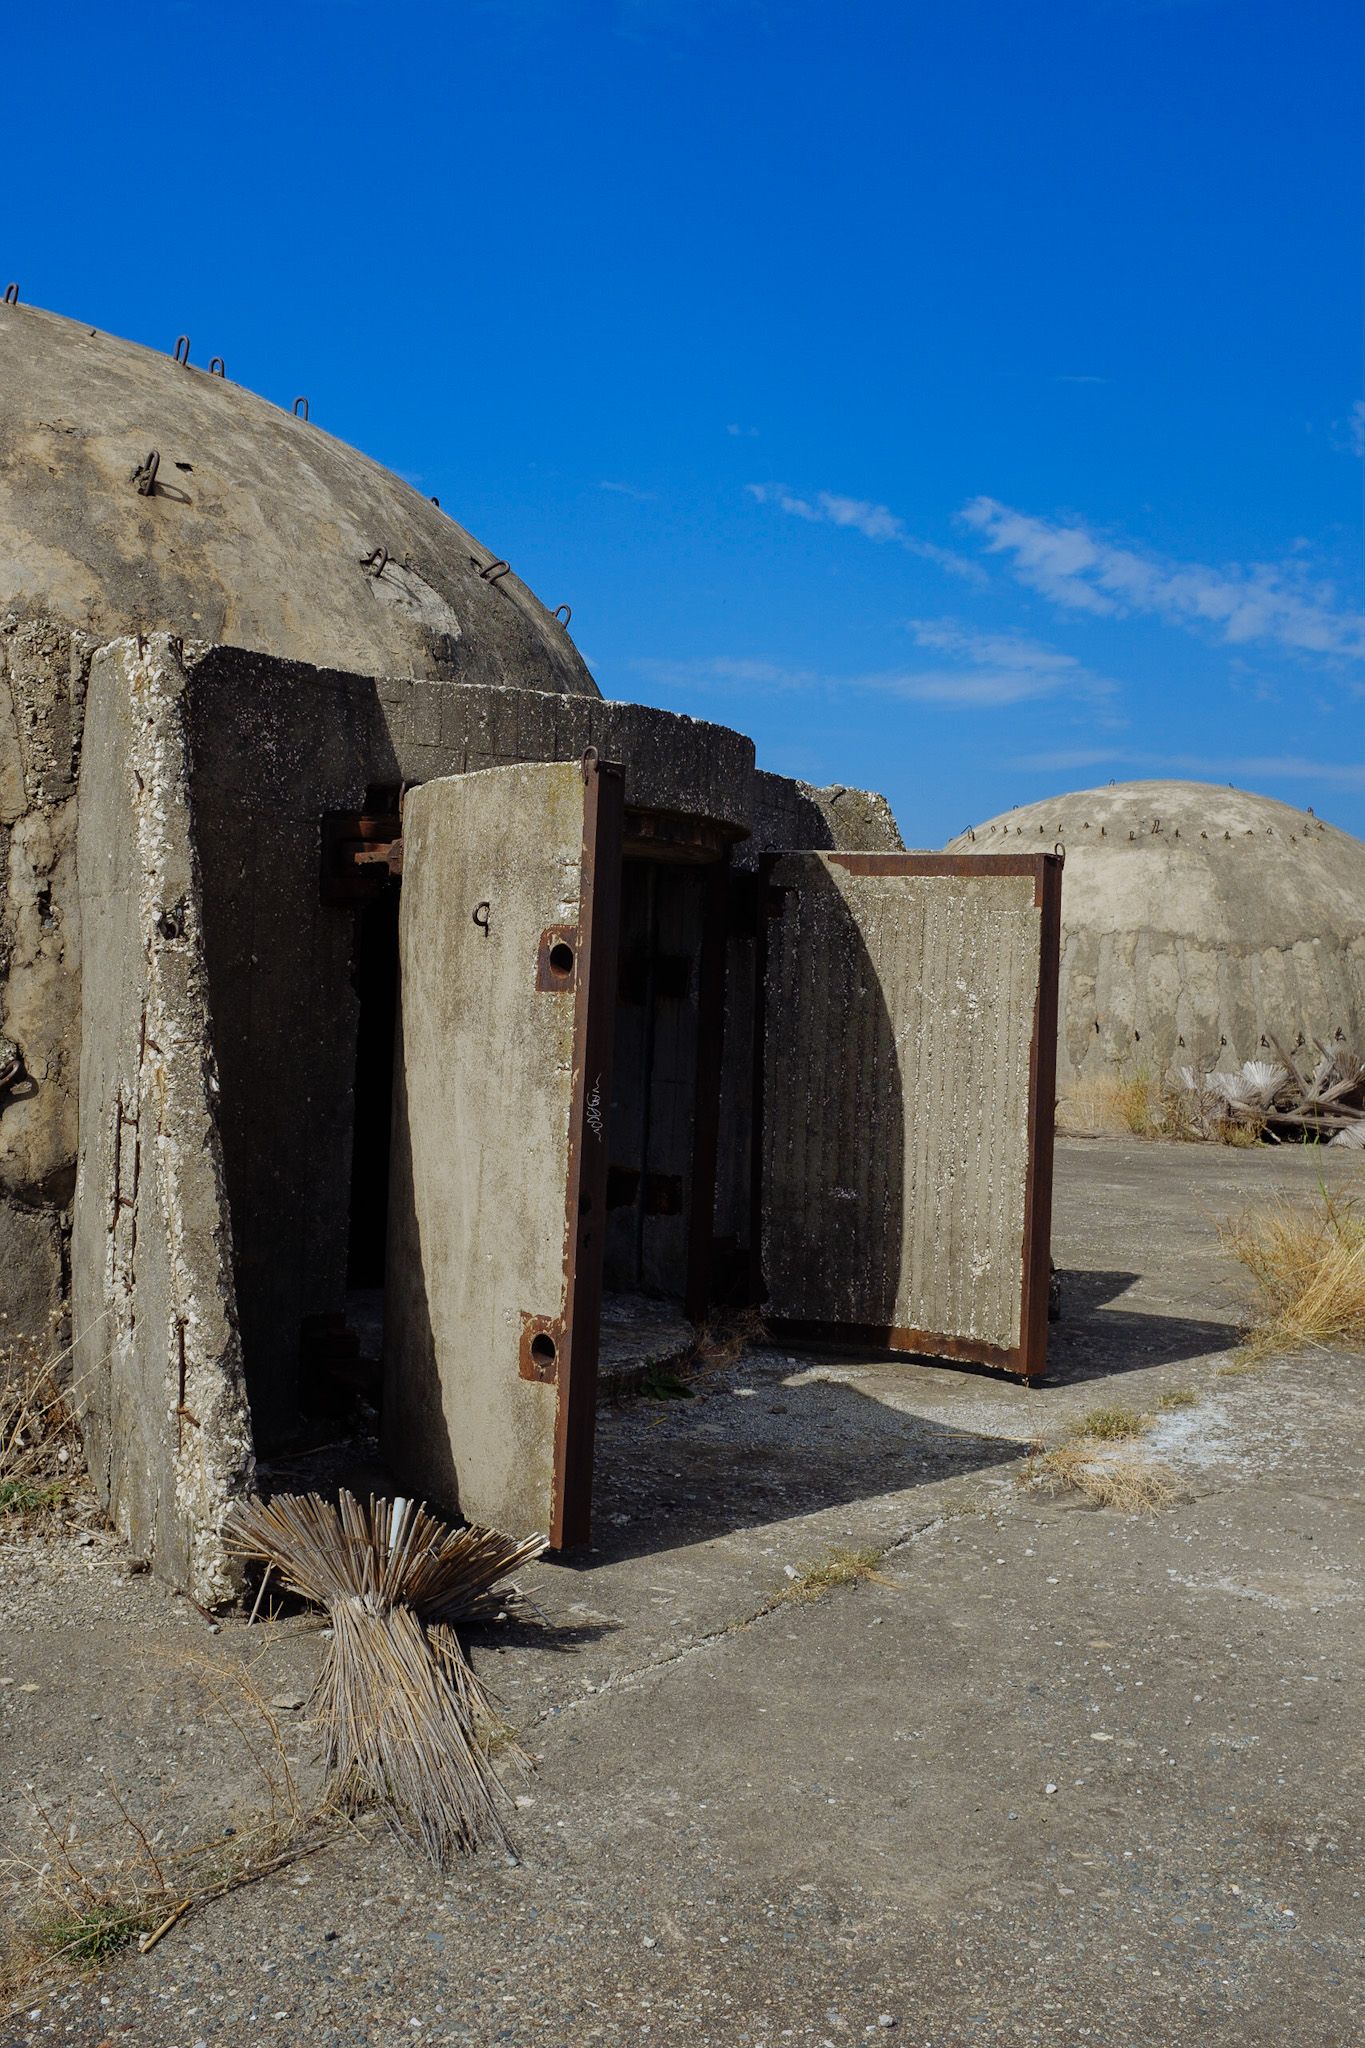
x=1110 y=1425
x=1307 y=1263
x=1121 y=1479
x=722 y=1342
x=839 y=1567
x=40 y=1444
x=1141 y=1106
x=91 y=1891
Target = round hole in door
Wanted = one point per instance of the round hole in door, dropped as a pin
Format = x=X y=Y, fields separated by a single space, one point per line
x=543 y=1348
x=561 y=960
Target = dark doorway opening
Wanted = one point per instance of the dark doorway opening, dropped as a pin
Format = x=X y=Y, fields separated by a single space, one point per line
x=376 y=987
x=342 y=1363
x=654 y=1081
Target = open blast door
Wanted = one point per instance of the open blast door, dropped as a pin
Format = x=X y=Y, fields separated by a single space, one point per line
x=508 y=945
x=907 y=1071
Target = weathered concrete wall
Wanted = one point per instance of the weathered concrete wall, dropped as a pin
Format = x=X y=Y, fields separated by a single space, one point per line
x=481 y=1138
x=275 y=745
x=899 y=1022
x=158 y=1374
x=43 y=669
x=1197 y=924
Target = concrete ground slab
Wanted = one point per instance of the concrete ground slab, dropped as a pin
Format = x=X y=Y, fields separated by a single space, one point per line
x=1054 y=1775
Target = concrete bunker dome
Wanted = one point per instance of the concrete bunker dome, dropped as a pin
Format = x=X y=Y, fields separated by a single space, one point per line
x=257 y=529
x=1199 y=921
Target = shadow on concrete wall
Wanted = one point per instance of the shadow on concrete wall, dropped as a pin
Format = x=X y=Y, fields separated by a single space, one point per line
x=834 y=1233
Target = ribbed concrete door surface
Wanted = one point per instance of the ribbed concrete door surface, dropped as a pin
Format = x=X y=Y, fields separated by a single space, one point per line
x=507 y=951
x=907 y=1100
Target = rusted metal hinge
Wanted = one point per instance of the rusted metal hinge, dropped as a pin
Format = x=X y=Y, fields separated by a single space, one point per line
x=362 y=852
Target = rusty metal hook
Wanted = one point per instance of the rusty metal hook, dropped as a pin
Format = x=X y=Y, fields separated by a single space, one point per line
x=297 y=403
x=217 y=367
x=182 y=341
x=11 y=294
x=481 y=915
x=1059 y=848
x=495 y=571
x=144 y=476
x=437 y=503
x=376 y=561
x=567 y=610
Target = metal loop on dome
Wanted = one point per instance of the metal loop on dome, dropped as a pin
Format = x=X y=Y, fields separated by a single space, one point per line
x=182 y=350
x=144 y=476
x=376 y=561
x=297 y=403
x=11 y=294
x=217 y=367
x=495 y=571
x=567 y=610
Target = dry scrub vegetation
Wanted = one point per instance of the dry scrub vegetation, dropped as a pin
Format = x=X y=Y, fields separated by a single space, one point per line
x=1140 y=1106
x=1307 y=1264
x=40 y=1446
x=1100 y=1456
x=84 y=1889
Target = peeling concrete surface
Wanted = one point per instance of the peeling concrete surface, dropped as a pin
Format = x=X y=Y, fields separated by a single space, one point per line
x=1055 y=1777
x=157 y=1369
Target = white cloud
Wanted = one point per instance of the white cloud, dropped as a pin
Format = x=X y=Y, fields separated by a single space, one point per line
x=1083 y=572
x=628 y=491
x=742 y=433
x=873 y=522
x=980 y=670
x=1355 y=428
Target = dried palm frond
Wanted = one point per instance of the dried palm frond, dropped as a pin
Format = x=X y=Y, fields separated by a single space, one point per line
x=408 y=1723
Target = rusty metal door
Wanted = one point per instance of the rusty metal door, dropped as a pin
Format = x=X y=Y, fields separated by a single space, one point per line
x=907 y=1085
x=507 y=943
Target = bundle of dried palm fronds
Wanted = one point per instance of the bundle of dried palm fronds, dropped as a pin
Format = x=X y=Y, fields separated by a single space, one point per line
x=1281 y=1099
x=408 y=1724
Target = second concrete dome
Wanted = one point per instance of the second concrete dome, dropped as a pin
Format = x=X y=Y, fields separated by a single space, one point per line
x=1197 y=920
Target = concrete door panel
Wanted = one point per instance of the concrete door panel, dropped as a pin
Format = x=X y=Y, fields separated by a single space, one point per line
x=507 y=948
x=909 y=1001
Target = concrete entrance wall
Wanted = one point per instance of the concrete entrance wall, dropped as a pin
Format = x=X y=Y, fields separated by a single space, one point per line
x=157 y=1363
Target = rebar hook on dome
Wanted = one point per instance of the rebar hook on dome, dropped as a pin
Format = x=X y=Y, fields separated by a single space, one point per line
x=11 y=294
x=182 y=350
x=144 y=476
x=567 y=610
x=495 y=571
x=297 y=403
x=376 y=561
x=217 y=367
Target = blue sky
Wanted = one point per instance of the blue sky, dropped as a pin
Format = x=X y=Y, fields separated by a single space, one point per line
x=965 y=400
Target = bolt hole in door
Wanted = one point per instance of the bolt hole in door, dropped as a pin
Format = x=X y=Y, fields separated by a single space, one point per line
x=561 y=960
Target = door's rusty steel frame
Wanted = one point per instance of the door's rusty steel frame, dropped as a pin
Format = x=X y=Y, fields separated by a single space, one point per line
x=592 y=984
x=1027 y=1358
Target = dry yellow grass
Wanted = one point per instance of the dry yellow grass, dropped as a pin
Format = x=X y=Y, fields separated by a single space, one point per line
x=90 y=1891
x=1109 y=1425
x=1140 y=1106
x=1122 y=1479
x=837 y=1568
x=1307 y=1263
x=40 y=1446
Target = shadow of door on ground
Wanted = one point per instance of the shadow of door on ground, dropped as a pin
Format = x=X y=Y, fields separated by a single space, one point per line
x=1095 y=1340
x=669 y=1474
